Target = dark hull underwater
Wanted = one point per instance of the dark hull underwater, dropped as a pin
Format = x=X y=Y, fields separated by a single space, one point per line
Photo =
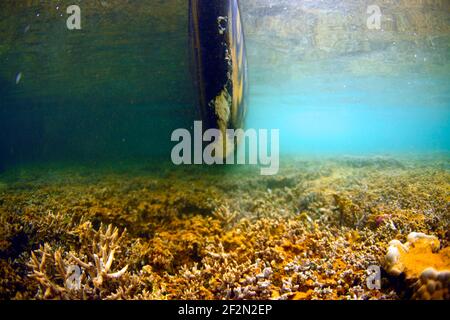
x=219 y=63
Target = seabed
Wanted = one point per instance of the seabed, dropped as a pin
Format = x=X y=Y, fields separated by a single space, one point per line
x=155 y=231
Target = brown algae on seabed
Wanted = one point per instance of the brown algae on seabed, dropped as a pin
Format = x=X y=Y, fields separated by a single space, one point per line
x=311 y=232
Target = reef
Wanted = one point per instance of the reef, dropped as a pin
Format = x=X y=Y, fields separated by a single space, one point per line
x=155 y=231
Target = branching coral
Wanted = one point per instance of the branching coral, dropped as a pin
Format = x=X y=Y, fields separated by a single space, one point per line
x=54 y=271
x=42 y=261
x=225 y=216
x=101 y=249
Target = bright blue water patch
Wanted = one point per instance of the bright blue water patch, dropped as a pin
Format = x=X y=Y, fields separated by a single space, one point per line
x=351 y=114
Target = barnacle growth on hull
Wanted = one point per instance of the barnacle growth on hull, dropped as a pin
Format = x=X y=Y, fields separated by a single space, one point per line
x=425 y=266
x=222 y=104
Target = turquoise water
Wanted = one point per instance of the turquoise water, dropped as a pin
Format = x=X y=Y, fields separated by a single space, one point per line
x=341 y=113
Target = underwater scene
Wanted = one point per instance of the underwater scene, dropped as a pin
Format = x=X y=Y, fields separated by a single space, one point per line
x=225 y=149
